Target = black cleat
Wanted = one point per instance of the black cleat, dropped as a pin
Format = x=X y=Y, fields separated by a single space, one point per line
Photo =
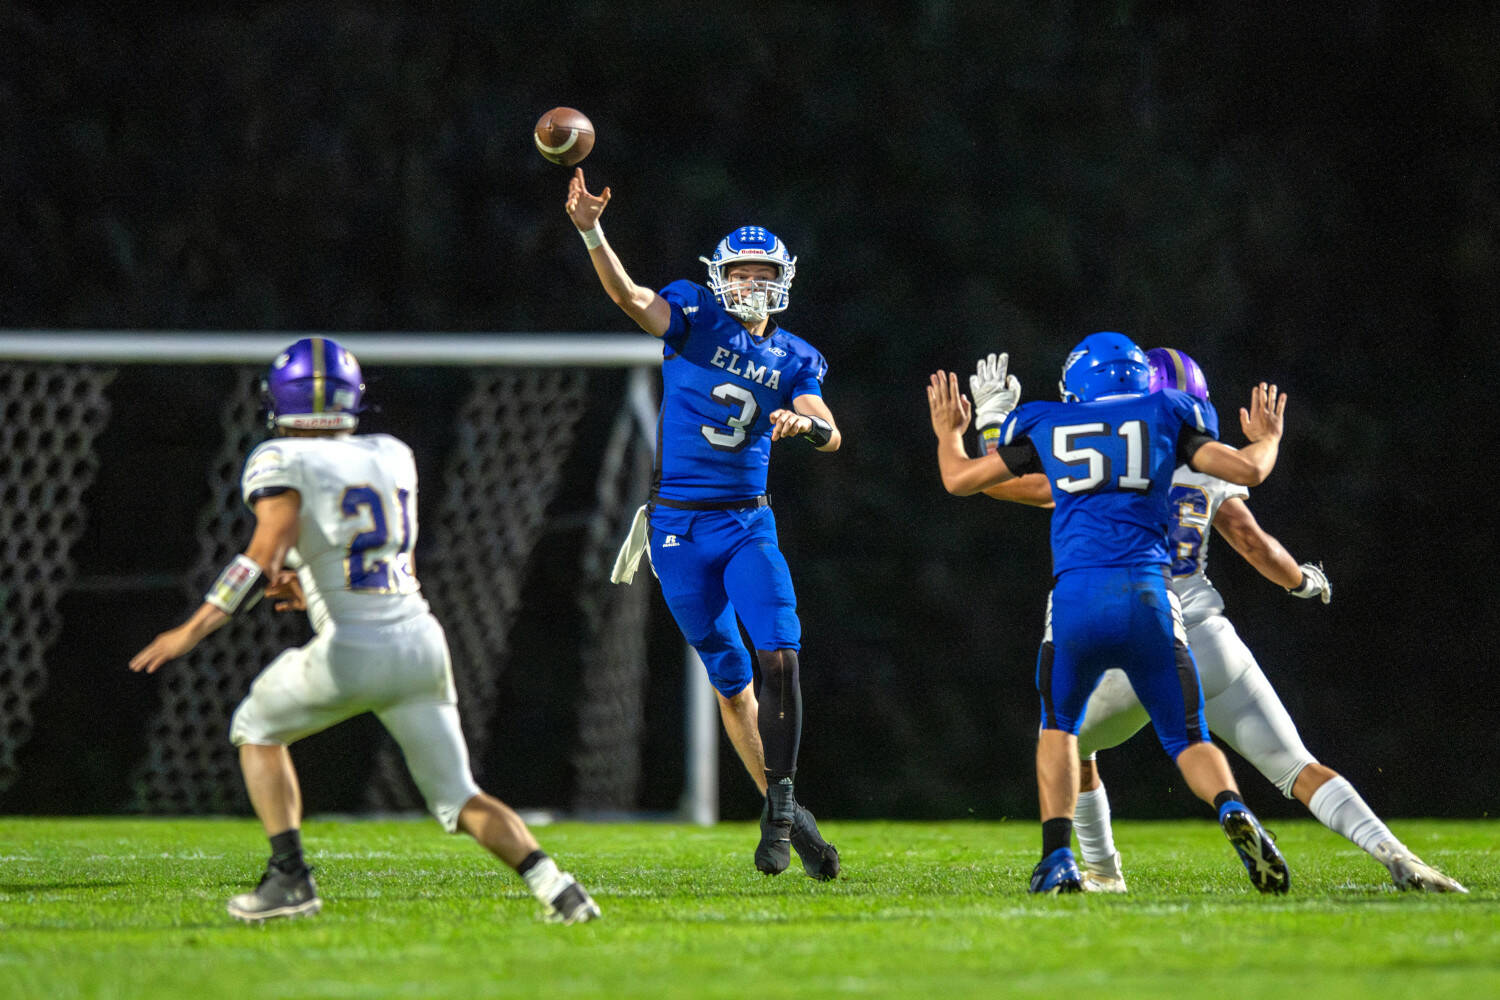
x=1267 y=868
x=774 y=852
x=280 y=894
x=820 y=859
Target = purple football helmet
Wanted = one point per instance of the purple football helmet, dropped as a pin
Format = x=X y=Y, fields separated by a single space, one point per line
x=1172 y=369
x=313 y=385
x=1104 y=365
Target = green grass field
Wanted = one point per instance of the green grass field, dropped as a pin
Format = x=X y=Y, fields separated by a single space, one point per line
x=135 y=908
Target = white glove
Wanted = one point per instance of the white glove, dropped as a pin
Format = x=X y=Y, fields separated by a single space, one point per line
x=994 y=392
x=1314 y=583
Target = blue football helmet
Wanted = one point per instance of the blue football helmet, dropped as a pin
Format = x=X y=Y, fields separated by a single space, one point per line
x=761 y=298
x=313 y=385
x=1173 y=369
x=1104 y=365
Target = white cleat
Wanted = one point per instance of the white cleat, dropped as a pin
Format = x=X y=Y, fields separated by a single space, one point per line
x=1410 y=872
x=1104 y=876
x=573 y=905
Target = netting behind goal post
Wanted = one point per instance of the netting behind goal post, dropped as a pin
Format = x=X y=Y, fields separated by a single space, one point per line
x=515 y=426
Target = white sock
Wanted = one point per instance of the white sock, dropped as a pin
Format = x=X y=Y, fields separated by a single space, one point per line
x=1338 y=806
x=545 y=881
x=1096 y=839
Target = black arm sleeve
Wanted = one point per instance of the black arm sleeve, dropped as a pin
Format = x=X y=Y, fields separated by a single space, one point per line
x=266 y=491
x=1020 y=458
x=1189 y=440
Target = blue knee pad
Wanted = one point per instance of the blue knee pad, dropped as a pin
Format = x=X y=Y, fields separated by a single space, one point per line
x=724 y=655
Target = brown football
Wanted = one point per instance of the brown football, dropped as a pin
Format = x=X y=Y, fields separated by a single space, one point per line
x=564 y=135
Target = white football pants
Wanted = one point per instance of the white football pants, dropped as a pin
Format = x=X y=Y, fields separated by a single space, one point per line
x=1239 y=703
x=401 y=672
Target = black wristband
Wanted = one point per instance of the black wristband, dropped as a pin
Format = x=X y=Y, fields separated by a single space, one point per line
x=821 y=433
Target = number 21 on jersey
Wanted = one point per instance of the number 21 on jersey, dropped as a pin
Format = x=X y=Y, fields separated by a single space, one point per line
x=378 y=559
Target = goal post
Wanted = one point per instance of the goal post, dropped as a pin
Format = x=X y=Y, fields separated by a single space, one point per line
x=517 y=403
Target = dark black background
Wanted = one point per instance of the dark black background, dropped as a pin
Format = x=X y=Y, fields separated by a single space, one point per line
x=1307 y=196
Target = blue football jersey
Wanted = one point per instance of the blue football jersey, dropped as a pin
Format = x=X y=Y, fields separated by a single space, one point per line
x=718 y=385
x=1110 y=464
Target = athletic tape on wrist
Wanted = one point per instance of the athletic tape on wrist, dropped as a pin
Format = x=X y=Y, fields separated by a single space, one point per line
x=821 y=433
x=592 y=237
x=238 y=586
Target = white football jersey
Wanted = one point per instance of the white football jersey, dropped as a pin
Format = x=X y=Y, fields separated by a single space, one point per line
x=1195 y=499
x=358 y=523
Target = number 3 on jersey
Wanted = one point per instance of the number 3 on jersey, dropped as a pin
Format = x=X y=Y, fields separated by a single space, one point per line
x=375 y=560
x=739 y=398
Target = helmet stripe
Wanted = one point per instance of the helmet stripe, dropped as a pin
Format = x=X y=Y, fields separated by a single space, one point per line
x=320 y=371
x=1178 y=368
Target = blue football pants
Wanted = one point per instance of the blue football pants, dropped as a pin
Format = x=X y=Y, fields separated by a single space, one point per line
x=715 y=565
x=1123 y=617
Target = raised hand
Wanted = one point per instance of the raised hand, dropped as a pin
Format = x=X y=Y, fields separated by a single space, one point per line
x=583 y=208
x=995 y=392
x=950 y=409
x=1264 y=418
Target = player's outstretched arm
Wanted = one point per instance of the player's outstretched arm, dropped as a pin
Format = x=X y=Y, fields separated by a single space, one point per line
x=276 y=528
x=810 y=418
x=1269 y=557
x=1243 y=532
x=1262 y=424
x=950 y=410
x=649 y=310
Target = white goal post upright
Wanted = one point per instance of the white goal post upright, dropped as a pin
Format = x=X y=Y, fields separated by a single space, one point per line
x=638 y=353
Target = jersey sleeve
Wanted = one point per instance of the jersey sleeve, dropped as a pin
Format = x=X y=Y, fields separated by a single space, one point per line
x=809 y=381
x=1018 y=424
x=1199 y=414
x=1199 y=423
x=684 y=299
x=271 y=468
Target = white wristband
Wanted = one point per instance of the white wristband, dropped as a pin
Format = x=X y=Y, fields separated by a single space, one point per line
x=592 y=237
x=241 y=579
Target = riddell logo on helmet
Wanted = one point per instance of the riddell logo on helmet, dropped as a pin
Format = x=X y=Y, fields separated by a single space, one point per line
x=312 y=422
x=747 y=251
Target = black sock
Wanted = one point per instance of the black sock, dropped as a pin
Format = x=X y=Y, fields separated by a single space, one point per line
x=1056 y=833
x=531 y=860
x=1225 y=796
x=286 y=851
x=780 y=714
